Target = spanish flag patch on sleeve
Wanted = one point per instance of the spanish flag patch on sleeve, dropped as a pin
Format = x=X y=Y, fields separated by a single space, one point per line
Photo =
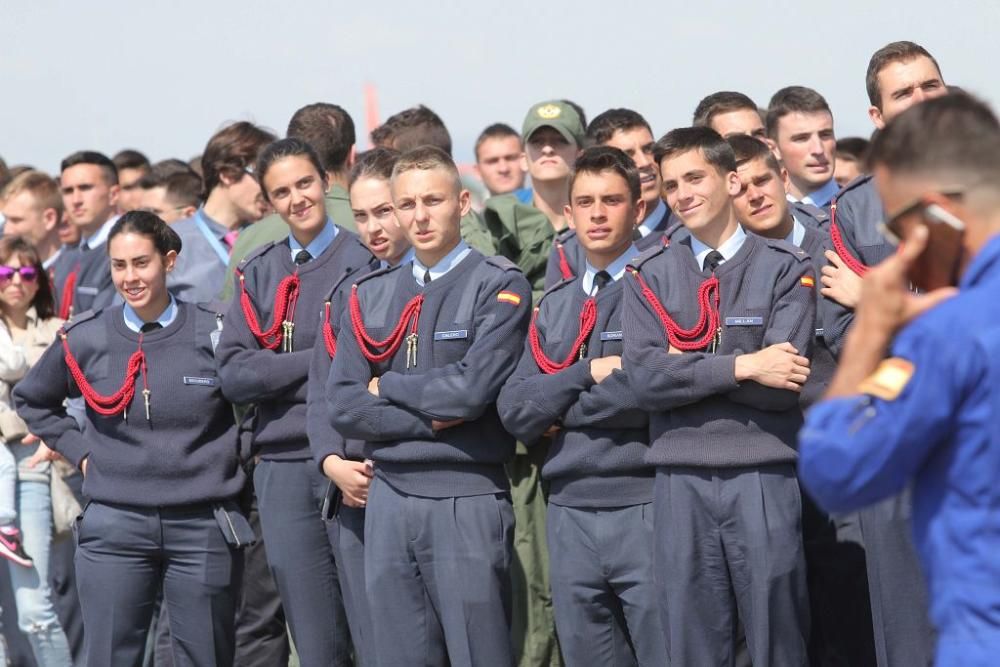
x=889 y=379
x=807 y=281
x=509 y=297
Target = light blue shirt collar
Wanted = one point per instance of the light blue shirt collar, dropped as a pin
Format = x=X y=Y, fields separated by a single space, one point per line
x=616 y=269
x=447 y=263
x=47 y=264
x=728 y=248
x=101 y=237
x=647 y=226
x=166 y=318
x=820 y=198
x=798 y=233
x=319 y=244
x=407 y=257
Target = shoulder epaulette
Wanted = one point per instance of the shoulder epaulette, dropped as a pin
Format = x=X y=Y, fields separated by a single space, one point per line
x=257 y=252
x=555 y=288
x=79 y=318
x=565 y=235
x=503 y=263
x=784 y=246
x=853 y=185
x=644 y=257
x=213 y=307
x=673 y=228
x=813 y=215
x=381 y=272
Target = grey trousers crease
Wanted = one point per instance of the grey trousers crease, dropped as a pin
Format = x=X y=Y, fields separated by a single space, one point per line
x=602 y=586
x=301 y=560
x=728 y=543
x=437 y=575
x=904 y=636
x=347 y=535
x=126 y=553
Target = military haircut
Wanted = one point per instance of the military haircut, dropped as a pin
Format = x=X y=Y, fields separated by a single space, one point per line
x=793 y=99
x=605 y=124
x=108 y=168
x=496 y=131
x=724 y=101
x=411 y=128
x=329 y=129
x=130 y=158
x=427 y=158
x=953 y=140
x=747 y=149
x=713 y=147
x=853 y=148
x=894 y=52
x=602 y=159
x=376 y=163
x=42 y=187
x=231 y=151
x=182 y=185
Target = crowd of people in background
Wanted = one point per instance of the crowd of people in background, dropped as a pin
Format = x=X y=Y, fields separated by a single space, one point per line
x=293 y=398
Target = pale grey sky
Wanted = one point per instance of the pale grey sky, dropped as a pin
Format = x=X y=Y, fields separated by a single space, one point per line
x=163 y=76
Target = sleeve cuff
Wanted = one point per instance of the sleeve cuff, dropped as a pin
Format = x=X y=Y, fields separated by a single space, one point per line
x=72 y=445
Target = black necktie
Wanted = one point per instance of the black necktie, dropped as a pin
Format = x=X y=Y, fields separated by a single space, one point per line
x=712 y=260
x=302 y=257
x=601 y=279
x=427 y=277
x=150 y=326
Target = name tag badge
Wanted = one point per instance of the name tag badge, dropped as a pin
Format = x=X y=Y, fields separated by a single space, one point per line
x=82 y=289
x=451 y=335
x=200 y=382
x=819 y=333
x=611 y=335
x=744 y=321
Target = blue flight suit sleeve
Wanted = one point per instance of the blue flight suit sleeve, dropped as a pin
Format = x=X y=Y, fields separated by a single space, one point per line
x=856 y=450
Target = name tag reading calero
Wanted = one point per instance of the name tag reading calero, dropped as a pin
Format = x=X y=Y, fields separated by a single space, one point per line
x=451 y=335
x=744 y=321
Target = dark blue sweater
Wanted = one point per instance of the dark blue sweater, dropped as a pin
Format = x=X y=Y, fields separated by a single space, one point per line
x=700 y=415
x=273 y=380
x=186 y=453
x=94 y=288
x=597 y=457
x=470 y=337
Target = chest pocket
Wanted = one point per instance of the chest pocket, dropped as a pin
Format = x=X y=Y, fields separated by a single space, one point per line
x=451 y=342
x=743 y=331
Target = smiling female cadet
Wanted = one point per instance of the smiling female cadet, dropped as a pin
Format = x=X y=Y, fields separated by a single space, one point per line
x=264 y=359
x=159 y=451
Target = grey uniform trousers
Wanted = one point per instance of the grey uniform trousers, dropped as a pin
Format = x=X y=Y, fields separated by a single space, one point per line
x=728 y=542
x=347 y=537
x=437 y=574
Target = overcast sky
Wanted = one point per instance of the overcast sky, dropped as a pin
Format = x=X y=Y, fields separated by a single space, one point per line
x=163 y=76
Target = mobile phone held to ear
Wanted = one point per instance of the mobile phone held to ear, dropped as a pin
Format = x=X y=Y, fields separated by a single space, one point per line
x=938 y=265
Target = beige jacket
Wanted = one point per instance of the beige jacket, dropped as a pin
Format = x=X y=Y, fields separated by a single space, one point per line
x=19 y=351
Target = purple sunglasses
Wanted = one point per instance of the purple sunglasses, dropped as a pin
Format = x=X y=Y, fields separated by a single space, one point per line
x=29 y=274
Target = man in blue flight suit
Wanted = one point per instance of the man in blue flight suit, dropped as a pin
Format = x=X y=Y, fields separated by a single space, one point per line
x=926 y=416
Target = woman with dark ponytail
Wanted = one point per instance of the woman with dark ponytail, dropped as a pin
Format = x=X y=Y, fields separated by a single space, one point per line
x=159 y=451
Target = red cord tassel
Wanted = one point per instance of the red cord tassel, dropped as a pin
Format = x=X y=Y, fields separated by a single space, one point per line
x=285 y=297
x=588 y=318
x=701 y=334
x=66 y=303
x=409 y=316
x=564 y=267
x=838 y=244
x=120 y=400
x=328 y=337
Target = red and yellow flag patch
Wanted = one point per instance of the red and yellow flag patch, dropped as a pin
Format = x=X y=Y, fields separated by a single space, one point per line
x=509 y=297
x=889 y=379
x=807 y=281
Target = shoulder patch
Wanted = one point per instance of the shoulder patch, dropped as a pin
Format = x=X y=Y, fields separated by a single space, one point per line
x=889 y=379
x=80 y=318
x=784 y=246
x=655 y=251
x=257 y=252
x=503 y=263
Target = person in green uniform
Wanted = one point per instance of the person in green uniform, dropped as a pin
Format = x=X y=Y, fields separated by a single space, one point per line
x=330 y=131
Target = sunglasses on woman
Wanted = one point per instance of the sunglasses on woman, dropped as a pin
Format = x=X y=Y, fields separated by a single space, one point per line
x=29 y=274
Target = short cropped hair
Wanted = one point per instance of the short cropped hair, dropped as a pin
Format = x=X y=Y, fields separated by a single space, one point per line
x=713 y=147
x=108 y=168
x=600 y=159
x=411 y=128
x=130 y=159
x=855 y=148
x=894 y=52
x=232 y=150
x=953 y=139
x=496 y=131
x=42 y=187
x=426 y=158
x=724 y=101
x=793 y=99
x=329 y=129
x=183 y=186
x=376 y=163
x=604 y=125
x=747 y=149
